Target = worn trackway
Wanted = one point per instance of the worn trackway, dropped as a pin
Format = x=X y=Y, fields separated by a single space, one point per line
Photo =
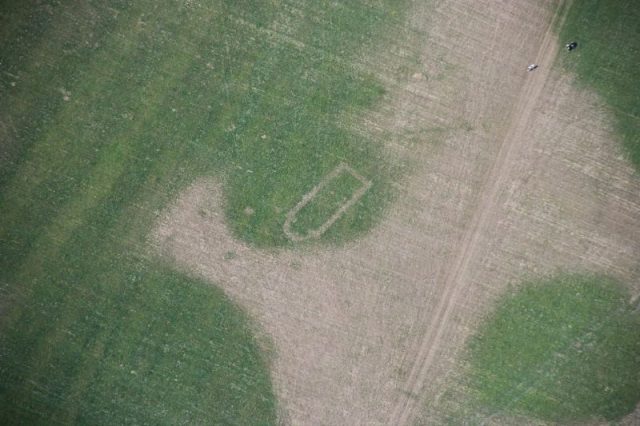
x=457 y=276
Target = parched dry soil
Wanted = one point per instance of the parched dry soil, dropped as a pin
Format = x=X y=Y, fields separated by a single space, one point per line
x=526 y=179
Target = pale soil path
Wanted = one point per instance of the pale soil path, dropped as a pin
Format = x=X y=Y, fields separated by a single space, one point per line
x=456 y=277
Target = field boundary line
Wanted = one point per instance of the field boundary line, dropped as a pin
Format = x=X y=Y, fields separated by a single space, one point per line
x=454 y=282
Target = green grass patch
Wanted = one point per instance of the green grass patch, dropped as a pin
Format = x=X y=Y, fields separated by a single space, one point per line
x=334 y=194
x=109 y=110
x=293 y=129
x=566 y=349
x=166 y=350
x=608 y=36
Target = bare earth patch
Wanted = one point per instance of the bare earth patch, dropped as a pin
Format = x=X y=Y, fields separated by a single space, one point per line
x=527 y=178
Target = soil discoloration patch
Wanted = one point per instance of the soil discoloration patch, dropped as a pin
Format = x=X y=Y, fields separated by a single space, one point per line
x=370 y=333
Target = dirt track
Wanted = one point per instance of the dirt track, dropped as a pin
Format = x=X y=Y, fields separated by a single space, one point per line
x=457 y=276
x=525 y=178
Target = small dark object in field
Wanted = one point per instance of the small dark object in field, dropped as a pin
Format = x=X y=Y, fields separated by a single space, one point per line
x=571 y=46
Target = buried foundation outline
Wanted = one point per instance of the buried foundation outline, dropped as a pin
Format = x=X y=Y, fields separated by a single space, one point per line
x=309 y=196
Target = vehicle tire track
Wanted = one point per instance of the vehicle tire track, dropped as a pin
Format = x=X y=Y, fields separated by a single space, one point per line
x=455 y=278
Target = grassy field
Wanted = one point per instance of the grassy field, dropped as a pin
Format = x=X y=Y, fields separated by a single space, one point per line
x=108 y=110
x=564 y=349
x=608 y=36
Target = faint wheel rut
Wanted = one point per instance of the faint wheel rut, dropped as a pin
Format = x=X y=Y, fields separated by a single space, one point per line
x=455 y=278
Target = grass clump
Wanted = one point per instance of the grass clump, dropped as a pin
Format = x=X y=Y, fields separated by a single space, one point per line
x=564 y=349
x=608 y=36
